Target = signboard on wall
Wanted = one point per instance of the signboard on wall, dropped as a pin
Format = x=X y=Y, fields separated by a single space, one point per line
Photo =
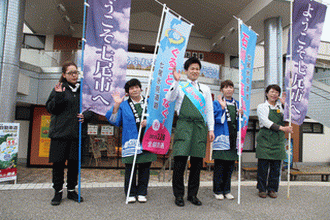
x=44 y=142
x=9 y=137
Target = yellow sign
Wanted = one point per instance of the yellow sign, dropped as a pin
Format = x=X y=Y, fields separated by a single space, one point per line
x=44 y=142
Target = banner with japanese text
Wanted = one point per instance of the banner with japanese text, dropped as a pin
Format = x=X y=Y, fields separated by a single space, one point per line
x=173 y=44
x=105 y=54
x=248 y=40
x=308 y=19
x=9 y=138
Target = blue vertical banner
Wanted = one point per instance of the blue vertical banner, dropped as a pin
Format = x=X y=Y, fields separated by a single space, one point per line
x=171 y=51
x=105 y=54
x=308 y=19
x=248 y=40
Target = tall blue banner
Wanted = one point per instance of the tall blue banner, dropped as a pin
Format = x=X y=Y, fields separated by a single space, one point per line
x=248 y=40
x=105 y=54
x=173 y=43
x=308 y=19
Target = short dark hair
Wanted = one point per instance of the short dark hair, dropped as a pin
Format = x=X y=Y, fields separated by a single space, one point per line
x=191 y=61
x=131 y=83
x=273 y=86
x=65 y=67
x=226 y=83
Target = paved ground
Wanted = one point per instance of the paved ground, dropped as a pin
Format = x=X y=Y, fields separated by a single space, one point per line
x=104 y=199
x=309 y=200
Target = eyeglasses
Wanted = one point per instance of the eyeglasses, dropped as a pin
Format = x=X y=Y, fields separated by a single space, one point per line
x=71 y=73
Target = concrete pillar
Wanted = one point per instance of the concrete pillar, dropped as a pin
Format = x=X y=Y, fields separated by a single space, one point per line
x=273 y=51
x=13 y=36
x=3 y=18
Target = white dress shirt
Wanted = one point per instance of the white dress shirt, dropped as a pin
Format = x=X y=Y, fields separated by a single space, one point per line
x=263 y=113
x=175 y=93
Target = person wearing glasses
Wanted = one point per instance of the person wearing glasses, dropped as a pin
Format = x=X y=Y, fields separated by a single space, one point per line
x=63 y=104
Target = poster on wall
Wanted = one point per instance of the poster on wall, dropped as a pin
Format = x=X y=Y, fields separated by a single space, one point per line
x=44 y=142
x=107 y=130
x=9 y=137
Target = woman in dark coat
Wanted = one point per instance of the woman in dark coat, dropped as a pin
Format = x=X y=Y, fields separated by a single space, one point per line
x=63 y=104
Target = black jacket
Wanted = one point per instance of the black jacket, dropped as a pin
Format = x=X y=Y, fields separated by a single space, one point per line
x=64 y=108
x=64 y=125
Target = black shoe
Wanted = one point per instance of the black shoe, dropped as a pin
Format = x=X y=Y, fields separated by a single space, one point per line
x=179 y=201
x=194 y=200
x=74 y=196
x=57 y=198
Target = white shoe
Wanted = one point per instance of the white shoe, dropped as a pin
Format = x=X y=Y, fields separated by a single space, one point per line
x=229 y=196
x=142 y=199
x=131 y=199
x=219 y=196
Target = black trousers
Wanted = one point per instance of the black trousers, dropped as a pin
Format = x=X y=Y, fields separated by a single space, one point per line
x=223 y=170
x=194 y=175
x=269 y=172
x=141 y=186
x=58 y=175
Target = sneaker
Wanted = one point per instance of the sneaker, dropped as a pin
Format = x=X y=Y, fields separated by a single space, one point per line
x=219 y=196
x=272 y=194
x=262 y=195
x=229 y=196
x=142 y=199
x=57 y=198
x=74 y=196
x=131 y=199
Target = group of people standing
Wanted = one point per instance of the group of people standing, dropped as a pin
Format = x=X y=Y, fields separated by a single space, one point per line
x=217 y=121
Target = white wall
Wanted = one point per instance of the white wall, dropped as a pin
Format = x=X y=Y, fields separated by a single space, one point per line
x=259 y=63
x=316 y=147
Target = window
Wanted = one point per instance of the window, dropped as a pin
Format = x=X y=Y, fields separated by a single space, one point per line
x=34 y=41
x=312 y=127
x=234 y=62
x=251 y=136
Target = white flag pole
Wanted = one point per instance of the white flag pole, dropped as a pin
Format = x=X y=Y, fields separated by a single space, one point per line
x=165 y=10
x=145 y=103
x=290 y=102
x=240 y=116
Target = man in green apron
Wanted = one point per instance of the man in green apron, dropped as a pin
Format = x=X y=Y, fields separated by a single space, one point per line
x=270 y=149
x=194 y=125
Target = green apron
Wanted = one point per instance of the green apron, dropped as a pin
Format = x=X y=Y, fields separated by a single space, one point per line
x=230 y=154
x=270 y=143
x=191 y=131
x=146 y=156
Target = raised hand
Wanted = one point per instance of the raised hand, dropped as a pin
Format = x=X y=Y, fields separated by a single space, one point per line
x=222 y=101
x=59 y=87
x=176 y=75
x=118 y=100
x=116 y=97
x=282 y=99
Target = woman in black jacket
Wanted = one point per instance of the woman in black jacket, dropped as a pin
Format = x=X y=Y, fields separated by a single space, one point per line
x=63 y=104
